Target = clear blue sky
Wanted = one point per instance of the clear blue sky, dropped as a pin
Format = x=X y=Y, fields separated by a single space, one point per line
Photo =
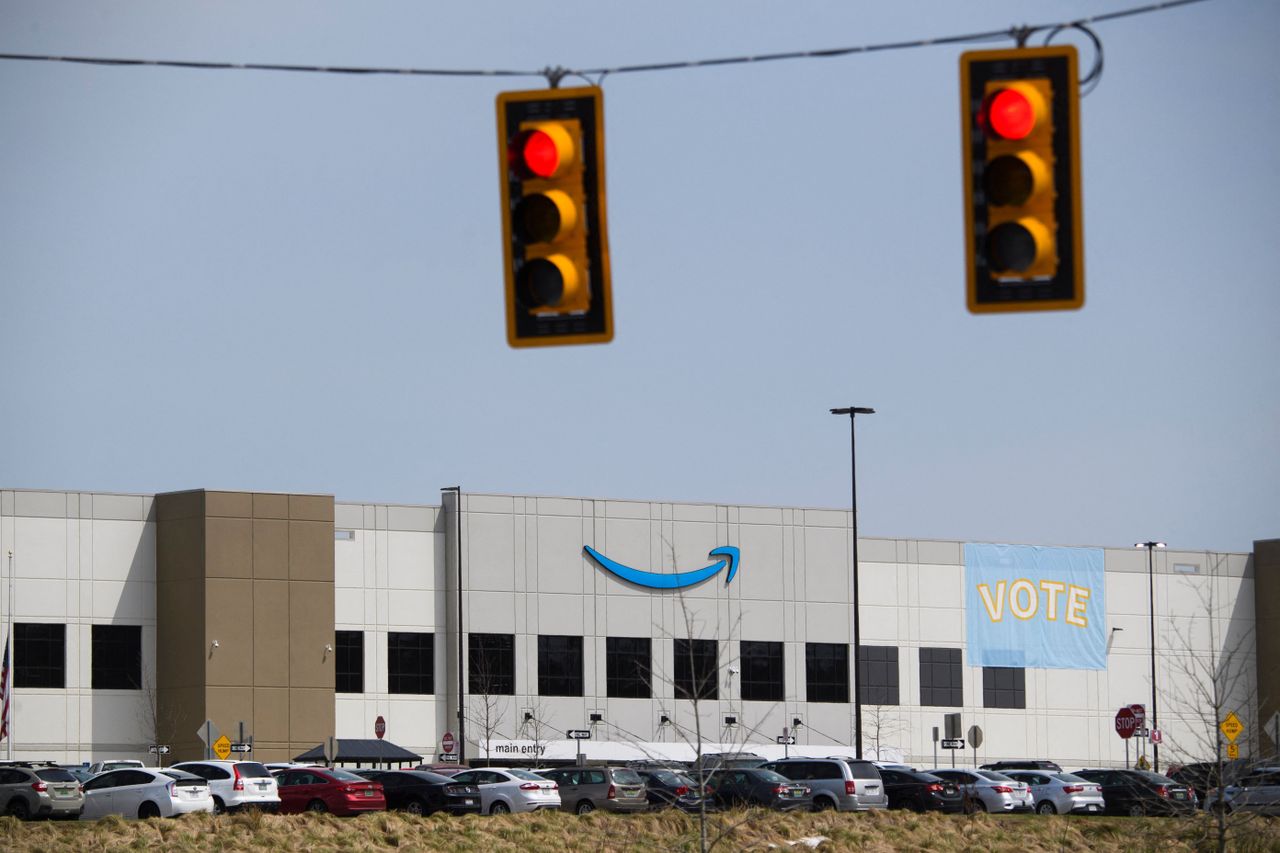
x=279 y=281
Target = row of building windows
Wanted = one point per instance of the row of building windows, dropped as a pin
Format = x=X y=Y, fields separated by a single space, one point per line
x=40 y=656
x=695 y=675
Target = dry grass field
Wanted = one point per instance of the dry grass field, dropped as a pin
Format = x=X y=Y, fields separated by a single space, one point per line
x=556 y=831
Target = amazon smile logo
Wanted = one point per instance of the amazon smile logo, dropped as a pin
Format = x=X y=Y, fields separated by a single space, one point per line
x=725 y=555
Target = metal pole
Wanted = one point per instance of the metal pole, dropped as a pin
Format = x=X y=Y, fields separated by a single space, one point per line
x=1151 y=591
x=853 y=412
x=8 y=646
x=462 y=732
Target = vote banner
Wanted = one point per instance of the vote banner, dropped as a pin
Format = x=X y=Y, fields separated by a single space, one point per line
x=1034 y=606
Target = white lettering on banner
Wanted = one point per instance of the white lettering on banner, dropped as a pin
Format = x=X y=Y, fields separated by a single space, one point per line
x=1024 y=600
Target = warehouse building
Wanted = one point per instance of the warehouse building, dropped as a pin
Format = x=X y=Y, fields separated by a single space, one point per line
x=640 y=627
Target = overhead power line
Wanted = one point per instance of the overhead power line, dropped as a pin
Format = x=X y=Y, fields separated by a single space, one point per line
x=1020 y=34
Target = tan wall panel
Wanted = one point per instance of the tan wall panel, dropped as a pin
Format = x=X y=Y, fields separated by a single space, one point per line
x=182 y=711
x=311 y=717
x=311 y=551
x=180 y=549
x=229 y=620
x=180 y=634
x=270 y=548
x=270 y=633
x=271 y=716
x=270 y=506
x=228 y=706
x=228 y=549
x=229 y=504
x=311 y=507
x=310 y=630
x=173 y=505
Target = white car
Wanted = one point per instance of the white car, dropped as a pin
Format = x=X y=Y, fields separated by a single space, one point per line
x=144 y=792
x=236 y=784
x=113 y=764
x=506 y=789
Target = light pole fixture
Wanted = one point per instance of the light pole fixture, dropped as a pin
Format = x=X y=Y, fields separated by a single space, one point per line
x=853 y=412
x=462 y=675
x=1151 y=594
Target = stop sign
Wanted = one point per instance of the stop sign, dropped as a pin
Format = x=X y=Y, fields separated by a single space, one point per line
x=379 y=727
x=1126 y=723
x=447 y=743
x=1139 y=714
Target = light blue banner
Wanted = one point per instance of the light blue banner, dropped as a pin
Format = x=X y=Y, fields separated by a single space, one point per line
x=1030 y=606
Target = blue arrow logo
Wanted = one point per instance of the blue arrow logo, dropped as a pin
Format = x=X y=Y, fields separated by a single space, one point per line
x=725 y=555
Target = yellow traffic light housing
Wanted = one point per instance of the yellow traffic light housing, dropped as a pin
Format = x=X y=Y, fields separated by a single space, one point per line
x=1024 y=240
x=555 y=246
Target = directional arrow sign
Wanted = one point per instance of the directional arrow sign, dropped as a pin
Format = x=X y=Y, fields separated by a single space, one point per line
x=158 y=749
x=242 y=747
x=580 y=734
x=953 y=743
x=789 y=740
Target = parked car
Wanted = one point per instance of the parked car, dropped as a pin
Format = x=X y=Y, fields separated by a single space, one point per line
x=1141 y=792
x=32 y=790
x=755 y=786
x=443 y=769
x=585 y=789
x=421 y=792
x=236 y=784
x=911 y=789
x=113 y=764
x=845 y=784
x=80 y=771
x=711 y=761
x=1203 y=776
x=145 y=792
x=1023 y=764
x=510 y=789
x=1061 y=793
x=989 y=791
x=1259 y=792
x=327 y=789
x=666 y=788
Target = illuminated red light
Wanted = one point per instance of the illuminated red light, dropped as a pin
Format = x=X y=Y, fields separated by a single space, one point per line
x=1010 y=114
x=539 y=154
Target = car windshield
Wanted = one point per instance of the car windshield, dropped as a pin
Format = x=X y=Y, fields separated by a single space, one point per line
x=56 y=774
x=922 y=777
x=770 y=776
x=182 y=776
x=1069 y=777
x=527 y=776
x=253 y=770
x=994 y=776
x=1155 y=778
x=427 y=776
x=625 y=776
x=344 y=775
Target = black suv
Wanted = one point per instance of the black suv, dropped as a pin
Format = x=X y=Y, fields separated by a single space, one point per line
x=1141 y=792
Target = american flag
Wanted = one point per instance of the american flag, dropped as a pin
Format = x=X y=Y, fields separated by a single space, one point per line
x=4 y=693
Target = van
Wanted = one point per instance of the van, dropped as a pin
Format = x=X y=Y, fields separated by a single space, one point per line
x=585 y=789
x=844 y=784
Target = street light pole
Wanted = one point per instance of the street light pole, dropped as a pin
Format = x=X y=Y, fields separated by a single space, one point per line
x=462 y=714
x=1151 y=593
x=853 y=412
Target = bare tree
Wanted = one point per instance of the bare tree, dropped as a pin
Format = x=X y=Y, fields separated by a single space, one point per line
x=884 y=725
x=488 y=699
x=159 y=723
x=1214 y=683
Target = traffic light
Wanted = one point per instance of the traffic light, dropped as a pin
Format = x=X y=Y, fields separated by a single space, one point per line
x=555 y=249
x=1024 y=240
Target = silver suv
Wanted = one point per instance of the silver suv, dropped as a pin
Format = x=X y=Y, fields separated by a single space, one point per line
x=846 y=784
x=236 y=784
x=30 y=790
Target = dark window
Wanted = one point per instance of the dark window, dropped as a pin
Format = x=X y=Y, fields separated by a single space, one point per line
x=348 y=672
x=410 y=662
x=941 y=679
x=491 y=664
x=117 y=657
x=762 y=672
x=1004 y=687
x=559 y=666
x=878 y=674
x=39 y=655
x=697 y=669
x=826 y=671
x=627 y=666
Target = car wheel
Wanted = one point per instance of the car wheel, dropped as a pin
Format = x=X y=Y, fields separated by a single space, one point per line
x=148 y=810
x=1136 y=810
x=499 y=807
x=916 y=805
x=219 y=807
x=1046 y=808
x=584 y=807
x=823 y=804
x=415 y=807
x=976 y=805
x=317 y=806
x=18 y=808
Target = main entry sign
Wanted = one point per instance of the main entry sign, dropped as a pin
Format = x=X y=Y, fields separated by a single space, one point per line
x=1033 y=606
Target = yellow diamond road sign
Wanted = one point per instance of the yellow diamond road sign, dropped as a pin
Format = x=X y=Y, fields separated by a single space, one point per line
x=1232 y=727
x=222 y=747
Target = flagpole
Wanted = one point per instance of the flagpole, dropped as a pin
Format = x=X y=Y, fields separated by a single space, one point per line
x=8 y=648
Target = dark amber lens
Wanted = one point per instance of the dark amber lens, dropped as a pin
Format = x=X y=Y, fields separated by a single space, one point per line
x=537 y=219
x=1008 y=181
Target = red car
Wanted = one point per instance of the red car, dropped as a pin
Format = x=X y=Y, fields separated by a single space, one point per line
x=324 y=789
